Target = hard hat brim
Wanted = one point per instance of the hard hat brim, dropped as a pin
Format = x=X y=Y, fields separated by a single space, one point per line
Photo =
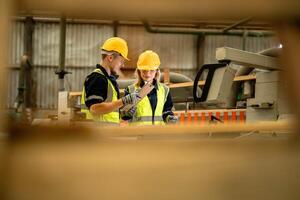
x=125 y=58
x=147 y=68
x=107 y=52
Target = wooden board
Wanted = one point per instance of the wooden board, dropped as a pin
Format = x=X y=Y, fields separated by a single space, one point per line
x=201 y=83
x=168 y=9
x=73 y=164
x=166 y=76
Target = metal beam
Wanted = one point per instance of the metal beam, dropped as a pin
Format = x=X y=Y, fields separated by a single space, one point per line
x=62 y=51
x=29 y=97
x=225 y=30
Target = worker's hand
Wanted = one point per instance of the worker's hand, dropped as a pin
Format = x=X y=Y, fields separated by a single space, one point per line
x=138 y=90
x=132 y=98
x=171 y=119
x=131 y=112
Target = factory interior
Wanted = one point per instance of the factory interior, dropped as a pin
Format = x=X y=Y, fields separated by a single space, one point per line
x=227 y=99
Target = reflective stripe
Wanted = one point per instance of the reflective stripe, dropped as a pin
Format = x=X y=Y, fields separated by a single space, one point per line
x=107 y=123
x=112 y=118
x=94 y=97
x=144 y=112
x=83 y=106
x=93 y=122
x=166 y=91
x=148 y=118
x=109 y=92
x=167 y=112
x=109 y=88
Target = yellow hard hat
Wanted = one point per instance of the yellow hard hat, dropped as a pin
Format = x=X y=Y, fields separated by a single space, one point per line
x=148 y=60
x=116 y=44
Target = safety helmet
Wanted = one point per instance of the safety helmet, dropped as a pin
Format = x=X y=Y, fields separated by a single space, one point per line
x=116 y=44
x=148 y=60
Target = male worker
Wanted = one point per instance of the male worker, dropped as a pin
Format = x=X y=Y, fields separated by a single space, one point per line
x=156 y=107
x=100 y=96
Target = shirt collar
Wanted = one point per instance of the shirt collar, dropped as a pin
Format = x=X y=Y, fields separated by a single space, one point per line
x=114 y=77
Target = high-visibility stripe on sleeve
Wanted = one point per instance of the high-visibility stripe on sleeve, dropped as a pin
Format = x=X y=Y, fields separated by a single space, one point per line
x=92 y=97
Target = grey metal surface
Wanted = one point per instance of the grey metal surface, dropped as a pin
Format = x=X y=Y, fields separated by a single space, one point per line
x=266 y=92
x=221 y=92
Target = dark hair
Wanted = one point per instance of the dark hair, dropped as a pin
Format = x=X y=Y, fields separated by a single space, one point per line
x=114 y=54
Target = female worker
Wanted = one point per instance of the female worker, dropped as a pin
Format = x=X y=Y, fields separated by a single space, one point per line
x=156 y=107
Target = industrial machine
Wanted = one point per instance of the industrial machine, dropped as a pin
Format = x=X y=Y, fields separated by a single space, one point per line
x=260 y=88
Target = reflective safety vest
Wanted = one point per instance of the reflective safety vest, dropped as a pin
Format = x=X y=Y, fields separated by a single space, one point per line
x=112 y=95
x=143 y=115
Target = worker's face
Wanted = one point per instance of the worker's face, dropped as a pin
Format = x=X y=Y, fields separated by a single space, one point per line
x=116 y=63
x=148 y=75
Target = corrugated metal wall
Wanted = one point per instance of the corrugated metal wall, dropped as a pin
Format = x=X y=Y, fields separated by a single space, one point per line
x=257 y=44
x=253 y=44
x=15 y=51
x=12 y=87
x=46 y=44
x=47 y=83
x=83 y=43
x=82 y=53
x=177 y=52
x=16 y=43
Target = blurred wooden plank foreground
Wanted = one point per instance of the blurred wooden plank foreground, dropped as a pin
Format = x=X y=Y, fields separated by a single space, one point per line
x=49 y=163
x=168 y=9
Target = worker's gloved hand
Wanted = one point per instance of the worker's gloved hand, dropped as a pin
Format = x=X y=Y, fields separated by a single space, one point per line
x=138 y=90
x=132 y=98
x=171 y=119
x=131 y=112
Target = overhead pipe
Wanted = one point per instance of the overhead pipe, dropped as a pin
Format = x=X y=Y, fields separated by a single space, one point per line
x=195 y=31
x=115 y=27
x=225 y=30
